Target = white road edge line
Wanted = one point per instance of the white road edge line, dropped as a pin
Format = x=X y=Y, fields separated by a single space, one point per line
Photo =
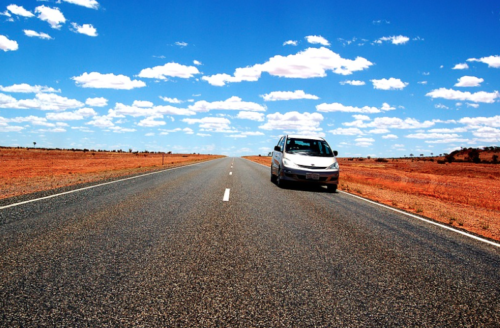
x=95 y=186
x=226 y=195
x=415 y=216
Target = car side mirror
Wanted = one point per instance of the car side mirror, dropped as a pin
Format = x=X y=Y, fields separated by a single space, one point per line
x=335 y=153
x=277 y=148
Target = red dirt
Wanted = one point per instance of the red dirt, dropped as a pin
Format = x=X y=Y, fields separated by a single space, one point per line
x=465 y=195
x=25 y=171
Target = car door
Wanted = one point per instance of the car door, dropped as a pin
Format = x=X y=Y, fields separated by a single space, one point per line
x=277 y=156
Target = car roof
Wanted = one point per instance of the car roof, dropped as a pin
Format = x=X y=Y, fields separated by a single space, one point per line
x=298 y=136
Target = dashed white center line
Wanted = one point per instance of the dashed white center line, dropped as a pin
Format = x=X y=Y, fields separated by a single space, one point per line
x=226 y=195
x=230 y=173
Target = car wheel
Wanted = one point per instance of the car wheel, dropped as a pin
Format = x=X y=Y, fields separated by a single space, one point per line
x=273 y=177
x=331 y=188
x=279 y=181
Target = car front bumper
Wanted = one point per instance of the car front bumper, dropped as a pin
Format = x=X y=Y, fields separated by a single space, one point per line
x=324 y=177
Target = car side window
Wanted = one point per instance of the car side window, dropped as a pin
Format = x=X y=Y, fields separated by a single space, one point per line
x=282 y=143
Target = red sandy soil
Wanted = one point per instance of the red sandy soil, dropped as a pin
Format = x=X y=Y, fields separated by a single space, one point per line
x=24 y=171
x=464 y=195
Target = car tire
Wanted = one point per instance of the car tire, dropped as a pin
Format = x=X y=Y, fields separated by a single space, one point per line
x=273 y=177
x=331 y=188
x=279 y=181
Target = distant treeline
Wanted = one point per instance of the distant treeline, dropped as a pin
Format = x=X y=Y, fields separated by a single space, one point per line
x=91 y=150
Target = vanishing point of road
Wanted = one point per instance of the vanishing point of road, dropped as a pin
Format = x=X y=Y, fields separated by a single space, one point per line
x=218 y=245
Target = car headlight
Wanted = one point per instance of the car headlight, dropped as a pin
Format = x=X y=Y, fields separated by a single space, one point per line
x=288 y=163
x=334 y=166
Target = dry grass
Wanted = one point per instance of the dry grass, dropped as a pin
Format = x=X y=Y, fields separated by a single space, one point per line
x=464 y=195
x=26 y=171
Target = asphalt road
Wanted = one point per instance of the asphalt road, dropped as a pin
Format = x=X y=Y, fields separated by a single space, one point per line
x=166 y=250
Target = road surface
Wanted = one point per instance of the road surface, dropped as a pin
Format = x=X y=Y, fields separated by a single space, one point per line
x=218 y=245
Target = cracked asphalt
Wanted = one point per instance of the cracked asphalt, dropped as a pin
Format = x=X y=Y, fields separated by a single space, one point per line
x=165 y=250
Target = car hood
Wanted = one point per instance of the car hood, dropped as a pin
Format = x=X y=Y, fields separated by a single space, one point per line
x=311 y=160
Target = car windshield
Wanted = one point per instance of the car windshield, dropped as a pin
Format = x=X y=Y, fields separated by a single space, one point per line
x=308 y=147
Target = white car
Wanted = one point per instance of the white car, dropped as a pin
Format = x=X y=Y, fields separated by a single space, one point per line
x=305 y=159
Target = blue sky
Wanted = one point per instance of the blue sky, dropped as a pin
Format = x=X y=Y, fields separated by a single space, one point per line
x=375 y=78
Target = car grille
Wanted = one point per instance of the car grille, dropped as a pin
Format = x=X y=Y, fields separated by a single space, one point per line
x=312 y=167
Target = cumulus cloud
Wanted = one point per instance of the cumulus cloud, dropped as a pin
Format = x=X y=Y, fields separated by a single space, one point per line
x=389 y=123
x=469 y=81
x=317 y=39
x=107 y=81
x=461 y=66
x=288 y=95
x=364 y=142
x=92 y=4
x=347 y=132
x=433 y=135
x=7 y=45
x=185 y=130
x=151 y=121
x=294 y=121
x=337 y=107
x=171 y=100
x=19 y=11
x=53 y=16
x=399 y=39
x=310 y=63
x=43 y=101
x=246 y=134
x=86 y=29
x=389 y=84
x=253 y=116
x=211 y=124
x=197 y=63
x=35 y=34
x=233 y=103
x=290 y=43
x=492 y=61
x=475 y=122
x=353 y=82
x=143 y=104
x=135 y=111
x=181 y=44
x=390 y=136
x=450 y=94
x=77 y=115
x=26 y=88
x=97 y=102
x=169 y=70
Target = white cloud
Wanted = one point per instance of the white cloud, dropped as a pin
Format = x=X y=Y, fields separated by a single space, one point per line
x=450 y=94
x=390 y=123
x=473 y=105
x=469 y=81
x=142 y=104
x=492 y=61
x=390 y=136
x=169 y=70
x=151 y=121
x=246 y=134
x=197 y=63
x=310 y=63
x=80 y=114
x=364 y=142
x=171 y=100
x=337 y=107
x=107 y=81
x=101 y=122
x=400 y=39
x=26 y=88
x=389 y=84
x=7 y=45
x=42 y=101
x=92 y=4
x=353 y=82
x=295 y=121
x=347 y=132
x=19 y=11
x=379 y=131
x=212 y=124
x=288 y=95
x=441 y=106
x=290 y=43
x=317 y=39
x=181 y=44
x=461 y=66
x=433 y=135
x=86 y=29
x=185 y=130
x=488 y=133
x=53 y=16
x=253 y=116
x=233 y=103
x=35 y=34
x=476 y=122
x=97 y=102
x=121 y=110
